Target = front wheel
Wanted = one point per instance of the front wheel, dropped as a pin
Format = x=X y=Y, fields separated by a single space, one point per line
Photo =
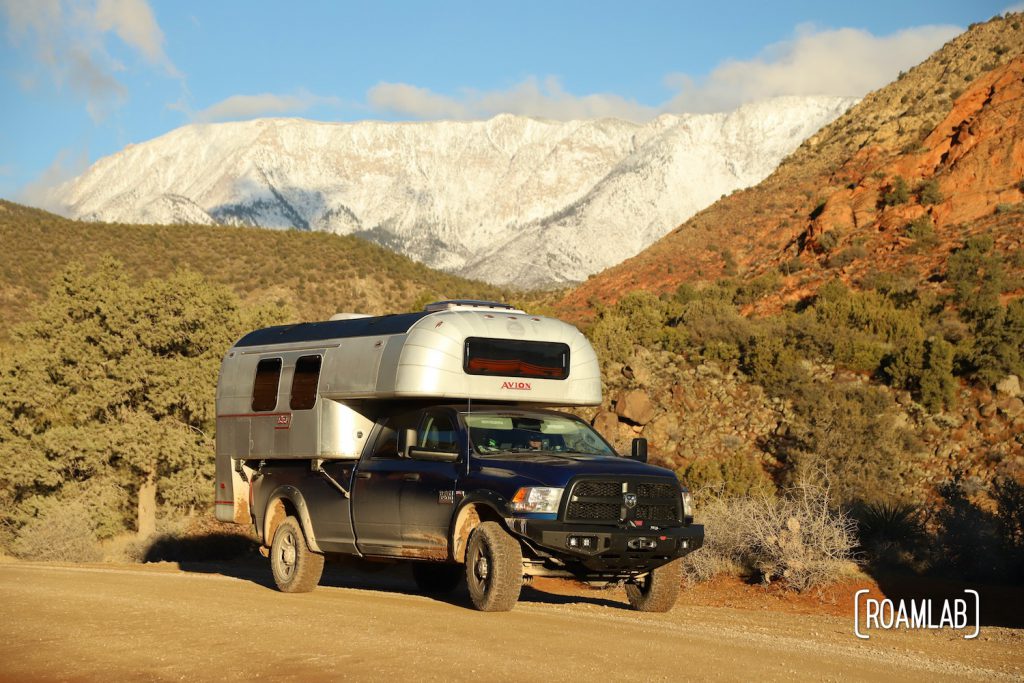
x=494 y=568
x=296 y=568
x=659 y=590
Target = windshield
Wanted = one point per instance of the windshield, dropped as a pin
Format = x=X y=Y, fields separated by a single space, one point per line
x=521 y=432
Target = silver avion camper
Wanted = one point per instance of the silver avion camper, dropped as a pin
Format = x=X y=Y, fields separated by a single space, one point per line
x=313 y=390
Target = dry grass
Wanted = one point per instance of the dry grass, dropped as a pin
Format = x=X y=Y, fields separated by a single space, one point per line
x=797 y=538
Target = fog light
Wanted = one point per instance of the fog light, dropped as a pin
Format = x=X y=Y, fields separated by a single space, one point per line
x=588 y=543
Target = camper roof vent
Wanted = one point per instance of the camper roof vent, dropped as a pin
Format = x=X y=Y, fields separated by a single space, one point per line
x=469 y=305
x=348 y=316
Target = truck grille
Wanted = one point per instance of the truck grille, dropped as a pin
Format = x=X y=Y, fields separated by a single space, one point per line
x=598 y=501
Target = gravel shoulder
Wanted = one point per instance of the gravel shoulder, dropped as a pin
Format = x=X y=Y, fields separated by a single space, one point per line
x=159 y=622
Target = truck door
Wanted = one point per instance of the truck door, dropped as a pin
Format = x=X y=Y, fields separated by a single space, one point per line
x=428 y=488
x=377 y=491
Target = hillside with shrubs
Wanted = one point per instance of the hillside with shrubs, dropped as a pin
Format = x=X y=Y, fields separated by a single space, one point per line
x=313 y=274
x=831 y=360
x=857 y=318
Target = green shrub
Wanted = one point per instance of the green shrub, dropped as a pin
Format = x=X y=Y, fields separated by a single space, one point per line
x=846 y=256
x=851 y=432
x=757 y=288
x=829 y=240
x=929 y=192
x=922 y=229
x=770 y=362
x=892 y=534
x=792 y=266
x=737 y=474
x=937 y=384
x=980 y=530
x=898 y=192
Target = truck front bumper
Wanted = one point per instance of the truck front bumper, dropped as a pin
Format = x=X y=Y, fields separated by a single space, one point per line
x=606 y=550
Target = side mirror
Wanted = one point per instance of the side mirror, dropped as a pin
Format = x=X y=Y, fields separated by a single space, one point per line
x=406 y=441
x=639 y=449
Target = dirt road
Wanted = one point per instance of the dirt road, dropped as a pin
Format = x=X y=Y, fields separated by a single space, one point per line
x=161 y=623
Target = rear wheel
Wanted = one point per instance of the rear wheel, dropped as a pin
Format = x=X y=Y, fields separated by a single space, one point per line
x=434 y=577
x=296 y=568
x=494 y=568
x=659 y=590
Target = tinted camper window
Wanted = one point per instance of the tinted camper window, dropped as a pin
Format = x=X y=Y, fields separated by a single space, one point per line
x=264 y=388
x=514 y=358
x=305 y=381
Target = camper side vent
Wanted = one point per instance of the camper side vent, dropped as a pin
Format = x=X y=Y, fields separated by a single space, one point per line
x=469 y=305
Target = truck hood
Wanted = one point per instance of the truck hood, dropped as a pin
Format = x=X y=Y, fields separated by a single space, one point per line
x=549 y=469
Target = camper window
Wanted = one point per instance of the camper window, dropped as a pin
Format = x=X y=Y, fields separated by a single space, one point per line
x=264 y=387
x=515 y=358
x=304 y=382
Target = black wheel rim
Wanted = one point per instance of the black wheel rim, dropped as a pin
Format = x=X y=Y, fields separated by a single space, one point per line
x=482 y=570
x=286 y=555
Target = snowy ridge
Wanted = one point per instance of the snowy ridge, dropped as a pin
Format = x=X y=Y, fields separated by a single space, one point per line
x=511 y=200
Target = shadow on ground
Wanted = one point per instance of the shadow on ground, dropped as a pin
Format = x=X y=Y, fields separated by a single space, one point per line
x=238 y=556
x=1000 y=604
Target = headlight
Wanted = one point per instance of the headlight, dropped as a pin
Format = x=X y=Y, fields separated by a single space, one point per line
x=687 y=506
x=536 y=499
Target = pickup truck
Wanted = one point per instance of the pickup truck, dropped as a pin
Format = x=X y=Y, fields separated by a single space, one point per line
x=395 y=439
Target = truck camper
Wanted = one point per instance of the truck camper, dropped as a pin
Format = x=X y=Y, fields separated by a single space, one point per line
x=429 y=437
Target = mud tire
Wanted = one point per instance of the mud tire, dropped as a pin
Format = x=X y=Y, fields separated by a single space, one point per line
x=295 y=567
x=659 y=590
x=437 y=578
x=494 y=568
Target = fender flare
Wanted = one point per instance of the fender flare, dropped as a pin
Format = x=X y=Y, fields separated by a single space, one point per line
x=293 y=496
x=465 y=518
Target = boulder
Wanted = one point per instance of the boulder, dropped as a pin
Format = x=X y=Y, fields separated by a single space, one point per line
x=607 y=424
x=1011 y=408
x=1009 y=386
x=634 y=406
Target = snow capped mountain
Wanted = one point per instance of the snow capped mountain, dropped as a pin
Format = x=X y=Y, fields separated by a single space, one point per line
x=511 y=200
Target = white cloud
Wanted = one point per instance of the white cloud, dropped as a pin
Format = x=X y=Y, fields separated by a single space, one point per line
x=1017 y=7
x=846 y=62
x=134 y=23
x=545 y=99
x=41 y=192
x=266 y=104
x=68 y=41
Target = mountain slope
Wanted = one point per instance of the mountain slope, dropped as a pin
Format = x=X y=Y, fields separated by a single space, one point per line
x=951 y=124
x=316 y=275
x=509 y=200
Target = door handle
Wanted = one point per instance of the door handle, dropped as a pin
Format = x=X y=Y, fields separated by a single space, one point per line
x=364 y=475
x=412 y=476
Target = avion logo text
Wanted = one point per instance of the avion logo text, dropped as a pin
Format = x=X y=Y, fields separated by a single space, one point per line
x=516 y=386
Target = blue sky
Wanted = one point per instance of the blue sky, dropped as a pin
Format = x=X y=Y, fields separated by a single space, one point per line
x=83 y=79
